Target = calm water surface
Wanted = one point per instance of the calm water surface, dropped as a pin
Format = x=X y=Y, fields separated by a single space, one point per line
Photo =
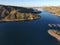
x=29 y=32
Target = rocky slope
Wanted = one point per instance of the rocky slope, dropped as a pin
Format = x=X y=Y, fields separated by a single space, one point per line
x=53 y=9
x=13 y=13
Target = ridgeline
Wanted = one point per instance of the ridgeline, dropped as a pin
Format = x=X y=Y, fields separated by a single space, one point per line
x=13 y=13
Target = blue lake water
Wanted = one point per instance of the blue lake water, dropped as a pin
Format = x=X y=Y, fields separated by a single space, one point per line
x=29 y=32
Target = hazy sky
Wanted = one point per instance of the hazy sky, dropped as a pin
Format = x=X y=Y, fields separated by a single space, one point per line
x=29 y=3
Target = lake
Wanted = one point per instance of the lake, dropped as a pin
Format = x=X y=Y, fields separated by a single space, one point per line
x=29 y=32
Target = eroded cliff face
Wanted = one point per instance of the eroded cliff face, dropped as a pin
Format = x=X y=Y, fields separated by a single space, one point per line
x=11 y=13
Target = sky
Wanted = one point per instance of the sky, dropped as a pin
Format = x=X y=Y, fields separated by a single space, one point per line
x=31 y=3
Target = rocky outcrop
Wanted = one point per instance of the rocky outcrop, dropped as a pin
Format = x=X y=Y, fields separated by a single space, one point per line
x=13 y=13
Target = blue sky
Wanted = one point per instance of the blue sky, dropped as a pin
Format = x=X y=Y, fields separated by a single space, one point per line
x=31 y=3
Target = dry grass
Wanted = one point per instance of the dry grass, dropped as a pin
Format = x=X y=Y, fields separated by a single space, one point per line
x=14 y=14
x=53 y=9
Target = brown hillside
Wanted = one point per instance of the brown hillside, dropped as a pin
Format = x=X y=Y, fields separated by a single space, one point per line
x=11 y=13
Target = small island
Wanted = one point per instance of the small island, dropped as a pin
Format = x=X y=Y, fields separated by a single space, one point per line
x=13 y=13
x=53 y=9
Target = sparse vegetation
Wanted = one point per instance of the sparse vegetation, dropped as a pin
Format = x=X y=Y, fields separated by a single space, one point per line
x=16 y=14
x=53 y=9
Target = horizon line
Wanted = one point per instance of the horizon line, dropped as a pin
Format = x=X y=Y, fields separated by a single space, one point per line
x=29 y=6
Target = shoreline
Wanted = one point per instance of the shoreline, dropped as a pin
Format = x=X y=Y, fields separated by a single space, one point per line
x=12 y=20
x=54 y=33
x=53 y=9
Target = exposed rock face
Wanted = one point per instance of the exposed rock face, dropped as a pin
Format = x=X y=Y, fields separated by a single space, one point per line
x=12 y=13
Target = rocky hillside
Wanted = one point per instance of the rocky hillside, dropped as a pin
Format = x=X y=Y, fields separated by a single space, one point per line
x=13 y=13
x=53 y=9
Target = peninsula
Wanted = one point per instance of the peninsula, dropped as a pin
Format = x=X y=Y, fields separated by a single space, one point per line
x=54 y=33
x=13 y=13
